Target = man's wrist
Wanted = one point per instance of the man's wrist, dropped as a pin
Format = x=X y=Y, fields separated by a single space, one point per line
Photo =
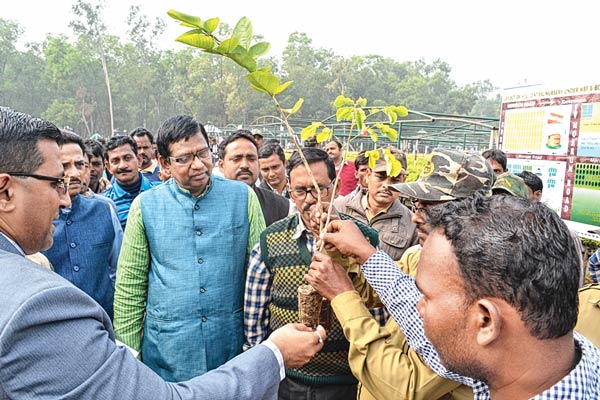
x=273 y=347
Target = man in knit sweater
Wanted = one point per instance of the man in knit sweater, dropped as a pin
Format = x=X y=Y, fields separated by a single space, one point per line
x=278 y=263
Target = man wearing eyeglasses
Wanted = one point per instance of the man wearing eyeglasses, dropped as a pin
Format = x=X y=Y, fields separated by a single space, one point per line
x=381 y=209
x=56 y=341
x=276 y=269
x=122 y=161
x=380 y=358
x=181 y=273
x=88 y=235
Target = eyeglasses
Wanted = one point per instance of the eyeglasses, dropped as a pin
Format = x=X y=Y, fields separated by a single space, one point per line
x=187 y=159
x=60 y=184
x=300 y=193
x=421 y=207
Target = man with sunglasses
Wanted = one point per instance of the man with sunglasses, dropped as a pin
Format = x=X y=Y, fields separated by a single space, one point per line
x=380 y=358
x=276 y=269
x=380 y=207
x=181 y=272
x=56 y=341
x=88 y=235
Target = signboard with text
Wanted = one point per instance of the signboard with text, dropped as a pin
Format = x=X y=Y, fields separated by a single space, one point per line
x=556 y=135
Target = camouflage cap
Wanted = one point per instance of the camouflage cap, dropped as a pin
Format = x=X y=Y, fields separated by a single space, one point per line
x=512 y=184
x=449 y=175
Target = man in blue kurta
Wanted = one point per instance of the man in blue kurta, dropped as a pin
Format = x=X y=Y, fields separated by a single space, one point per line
x=181 y=271
x=88 y=236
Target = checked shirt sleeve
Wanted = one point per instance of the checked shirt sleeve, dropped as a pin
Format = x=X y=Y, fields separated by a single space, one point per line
x=400 y=295
x=594 y=266
x=257 y=299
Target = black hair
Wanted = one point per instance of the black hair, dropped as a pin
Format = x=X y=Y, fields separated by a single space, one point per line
x=95 y=147
x=516 y=250
x=239 y=134
x=532 y=180
x=360 y=160
x=496 y=155
x=19 y=137
x=175 y=129
x=269 y=149
x=312 y=155
x=72 y=137
x=118 y=141
x=141 y=132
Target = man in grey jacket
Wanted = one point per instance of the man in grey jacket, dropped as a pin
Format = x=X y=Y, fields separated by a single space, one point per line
x=55 y=341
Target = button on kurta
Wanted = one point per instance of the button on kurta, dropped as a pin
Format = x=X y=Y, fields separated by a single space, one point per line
x=198 y=232
x=73 y=245
x=204 y=319
x=200 y=261
x=196 y=207
x=76 y=268
x=202 y=290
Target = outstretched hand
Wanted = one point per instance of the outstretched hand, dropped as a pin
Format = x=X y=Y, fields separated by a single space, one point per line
x=344 y=237
x=298 y=343
x=328 y=277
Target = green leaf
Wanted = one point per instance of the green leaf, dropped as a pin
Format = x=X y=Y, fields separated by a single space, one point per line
x=374 y=111
x=361 y=102
x=390 y=133
x=265 y=80
x=259 y=49
x=243 y=31
x=342 y=101
x=227 y=46
x=190 y=25
x=373 y=134
x=401 y=111
x=282 y=87
x=393 y=167
x=310 y=130
x=344 y=113
x=188 y=19
x=211 y=24
x=197 y=38
x=325 y=135
x=373 y=156
x=297 y=106
x=391 y=113
x=359 y=118
x=244 y=61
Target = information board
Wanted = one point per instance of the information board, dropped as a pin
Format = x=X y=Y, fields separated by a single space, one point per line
x=556 y=135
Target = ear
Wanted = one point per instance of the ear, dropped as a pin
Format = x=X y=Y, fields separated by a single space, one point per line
x=106 y=165
x=220 y=164
x=7 y=193
x=164 y=165
x=139 y=158
x=488 y=321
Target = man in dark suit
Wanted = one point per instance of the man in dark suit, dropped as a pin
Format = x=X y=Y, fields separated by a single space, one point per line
x=238 y=160
x=55 y=341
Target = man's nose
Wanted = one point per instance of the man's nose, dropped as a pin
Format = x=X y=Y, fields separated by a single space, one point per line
x=64 y=200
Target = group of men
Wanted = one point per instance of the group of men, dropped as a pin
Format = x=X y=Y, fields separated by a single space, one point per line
x=209 y=266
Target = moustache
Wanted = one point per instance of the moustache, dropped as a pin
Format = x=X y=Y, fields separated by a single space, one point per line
x=74 y=180
x=123 y=171
x=243 y=172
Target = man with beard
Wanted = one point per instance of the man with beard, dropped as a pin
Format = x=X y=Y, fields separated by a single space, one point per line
x=87 y=239
x=122 y=160
x=380 y=358
x=380 y=207
x=148 y=164
x=238 y=160
x=276 y=269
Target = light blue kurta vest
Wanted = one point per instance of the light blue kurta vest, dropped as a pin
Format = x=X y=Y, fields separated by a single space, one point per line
x=194 y=310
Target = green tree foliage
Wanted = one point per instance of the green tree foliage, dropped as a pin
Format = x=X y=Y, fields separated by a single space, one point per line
x=64 y=80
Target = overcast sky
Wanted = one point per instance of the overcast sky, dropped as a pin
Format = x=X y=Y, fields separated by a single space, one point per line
x=509 y=42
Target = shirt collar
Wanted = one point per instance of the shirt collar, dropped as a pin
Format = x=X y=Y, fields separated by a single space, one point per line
x=365 y=203
x=15 y=244
x=150 y=169
x=300 y=229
